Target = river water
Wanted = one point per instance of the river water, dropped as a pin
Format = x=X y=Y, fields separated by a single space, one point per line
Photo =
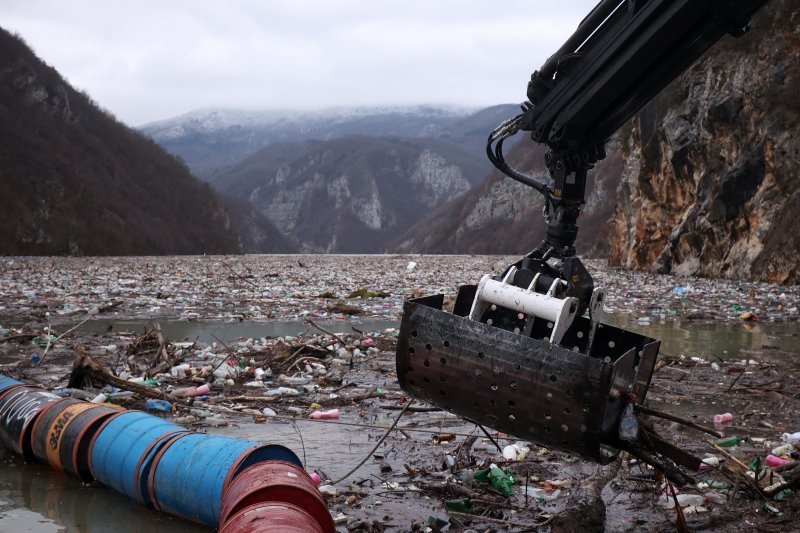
x=35 y=499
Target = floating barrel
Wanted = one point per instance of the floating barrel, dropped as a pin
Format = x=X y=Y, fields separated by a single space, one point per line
x=123 y=444
x=272 y=482
x=19 y=408
x=270 y=517
x=41 y=446
x=188 y=475
x=6 y=383
x=77 y=436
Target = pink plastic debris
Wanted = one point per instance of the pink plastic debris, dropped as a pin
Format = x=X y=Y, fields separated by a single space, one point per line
x=723 y=418
x=325 y=415
x=773 y=461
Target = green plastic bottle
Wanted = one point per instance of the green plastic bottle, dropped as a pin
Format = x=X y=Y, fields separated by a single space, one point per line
x=729 y=442
x=500 y=480
x=461 y=505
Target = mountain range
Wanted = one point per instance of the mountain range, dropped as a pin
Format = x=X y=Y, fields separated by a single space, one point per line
x=703 y=181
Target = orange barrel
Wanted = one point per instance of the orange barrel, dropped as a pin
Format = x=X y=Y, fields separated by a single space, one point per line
x=273 y=482
x=19 y=409
x=270 y=517
x=78 y=434
x=40 y=431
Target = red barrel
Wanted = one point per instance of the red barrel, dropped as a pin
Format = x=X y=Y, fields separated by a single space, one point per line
x=19 y=408
x=276 y=482
x=271 y=517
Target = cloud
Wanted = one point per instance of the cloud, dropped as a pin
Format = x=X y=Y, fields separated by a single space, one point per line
x=151 y=59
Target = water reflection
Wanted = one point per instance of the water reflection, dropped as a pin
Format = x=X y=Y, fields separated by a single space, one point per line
x=725 y=340
x=35 y=499
x=208 y=331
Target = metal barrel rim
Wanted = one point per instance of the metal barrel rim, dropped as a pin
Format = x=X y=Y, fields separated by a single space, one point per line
x=55 y=433
x=81 y=429
x=41 y=430
x=154 y=464
x=276 y=481
x=269 y=517
x=119 y=446
x=258 y=454
x=179 y=487
x=20 y=407
x=145 y=466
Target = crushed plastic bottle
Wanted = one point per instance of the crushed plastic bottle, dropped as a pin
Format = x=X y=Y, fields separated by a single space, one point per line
x=791 y=438
x=541 y=495
x=684 y=500
x=500 y=480
x=332 y=414
x=282 y=391
x=158 y=405
x=628 y=425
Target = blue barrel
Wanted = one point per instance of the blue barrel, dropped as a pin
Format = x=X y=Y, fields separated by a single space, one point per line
x=124 y=445
x=6 y=383
x=188 y=475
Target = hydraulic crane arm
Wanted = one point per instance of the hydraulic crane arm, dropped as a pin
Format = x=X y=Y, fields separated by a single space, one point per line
x=622 y=54
x=518 y=352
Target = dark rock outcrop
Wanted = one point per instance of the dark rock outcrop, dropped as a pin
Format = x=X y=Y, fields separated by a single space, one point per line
x=710 y=182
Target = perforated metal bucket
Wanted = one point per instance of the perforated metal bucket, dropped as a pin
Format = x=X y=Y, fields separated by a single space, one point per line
x=529 y=388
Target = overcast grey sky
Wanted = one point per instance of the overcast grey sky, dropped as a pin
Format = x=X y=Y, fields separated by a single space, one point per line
x=153 y=59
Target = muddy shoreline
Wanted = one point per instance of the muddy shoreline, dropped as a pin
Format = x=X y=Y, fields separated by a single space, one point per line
x=405 y=483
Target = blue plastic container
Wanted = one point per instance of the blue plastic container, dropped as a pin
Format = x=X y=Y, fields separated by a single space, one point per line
x=6 y=383
x=189 y=474
x=124 y=446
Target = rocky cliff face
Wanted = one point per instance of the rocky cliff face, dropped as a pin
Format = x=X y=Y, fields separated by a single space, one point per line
x=710 y=186
x=502 y=216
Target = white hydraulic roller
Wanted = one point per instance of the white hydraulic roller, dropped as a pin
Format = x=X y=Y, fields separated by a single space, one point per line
x=560 y=311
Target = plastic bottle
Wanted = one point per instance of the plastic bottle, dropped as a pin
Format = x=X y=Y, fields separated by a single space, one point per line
x=158 y=405
x=628 y=425
x=100 y=398
x=723 y=418
x=791 y=438
x=510 y=453
x=729 y=442
x=783 y=449
x=332 y=414
x=684 y=500
x=500 y=480
x=481 y=476
x=191 y=391
x=461 y=505
x=542 y=495
x=773 y=461
x=716 y=498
